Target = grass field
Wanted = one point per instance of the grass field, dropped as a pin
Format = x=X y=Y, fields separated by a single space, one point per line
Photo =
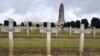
x=55 y=43
x=22 y=41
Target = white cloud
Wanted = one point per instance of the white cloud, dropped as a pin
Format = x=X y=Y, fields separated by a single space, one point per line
x=47 y=10
x=10 y=14
x=70 y=15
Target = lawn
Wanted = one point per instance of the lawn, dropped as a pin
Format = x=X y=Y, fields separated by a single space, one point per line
x=55 y=43
x=22 y=41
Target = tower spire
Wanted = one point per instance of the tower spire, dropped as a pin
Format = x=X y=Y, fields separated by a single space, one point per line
x=61 y=15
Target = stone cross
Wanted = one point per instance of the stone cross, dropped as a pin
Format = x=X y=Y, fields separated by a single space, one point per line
x=81 y=45
x=48 y=30
x=10 y=32
x=81 y=31
x=94 y=31
x=48 y=39
x=70 y=30
x=22 y=28
x=27 y=29
x=42 y=30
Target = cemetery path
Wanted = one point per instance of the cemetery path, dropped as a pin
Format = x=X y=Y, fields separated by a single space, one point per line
x=55 y=52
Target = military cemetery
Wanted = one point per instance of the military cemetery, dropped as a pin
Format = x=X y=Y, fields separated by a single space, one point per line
x=61 y=38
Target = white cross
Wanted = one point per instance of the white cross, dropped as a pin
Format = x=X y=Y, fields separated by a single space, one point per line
x=94 y=31
x=81 y=40
x=70 y=30
x=48 y=30
x=10 y=37
x=81 y=31
x=27 y=29
x=48 y=39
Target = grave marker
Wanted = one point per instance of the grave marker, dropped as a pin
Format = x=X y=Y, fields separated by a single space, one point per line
x=42 y=29
x=27 y=29
x=10 y=31
x=81 y=45
x=81 y=31
x=48 y=30
x=70 y=30
x=94 y=31
x=22 y=28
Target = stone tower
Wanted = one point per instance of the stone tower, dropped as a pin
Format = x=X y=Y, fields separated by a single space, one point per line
x=61 y=15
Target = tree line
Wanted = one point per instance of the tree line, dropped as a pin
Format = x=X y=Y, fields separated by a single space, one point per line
x=6 y=23
x=95 y=22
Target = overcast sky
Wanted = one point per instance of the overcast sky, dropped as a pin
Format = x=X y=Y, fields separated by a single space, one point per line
x=47 y=10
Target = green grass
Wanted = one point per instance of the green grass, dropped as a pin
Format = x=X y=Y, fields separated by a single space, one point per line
x=23 y=42
x=56 y=43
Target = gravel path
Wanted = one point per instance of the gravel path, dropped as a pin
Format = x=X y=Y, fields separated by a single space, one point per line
x=55 y=52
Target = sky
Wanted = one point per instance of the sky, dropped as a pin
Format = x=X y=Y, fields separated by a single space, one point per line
x=48 y=10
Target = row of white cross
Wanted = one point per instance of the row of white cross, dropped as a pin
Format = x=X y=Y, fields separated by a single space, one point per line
x=76 y=30
x=48 y=30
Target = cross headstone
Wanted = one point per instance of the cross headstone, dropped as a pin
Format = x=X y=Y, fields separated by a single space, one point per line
x=17 y=29
x=56 y=29
x=22 y=28
x=70 y=30
x=94 y=31
x=27 y=29
x=10 y=32
x=41 y=30
x=56 y=32
x=48 y=30
x=81 y=40
x=81 y=31
x=48 y=39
